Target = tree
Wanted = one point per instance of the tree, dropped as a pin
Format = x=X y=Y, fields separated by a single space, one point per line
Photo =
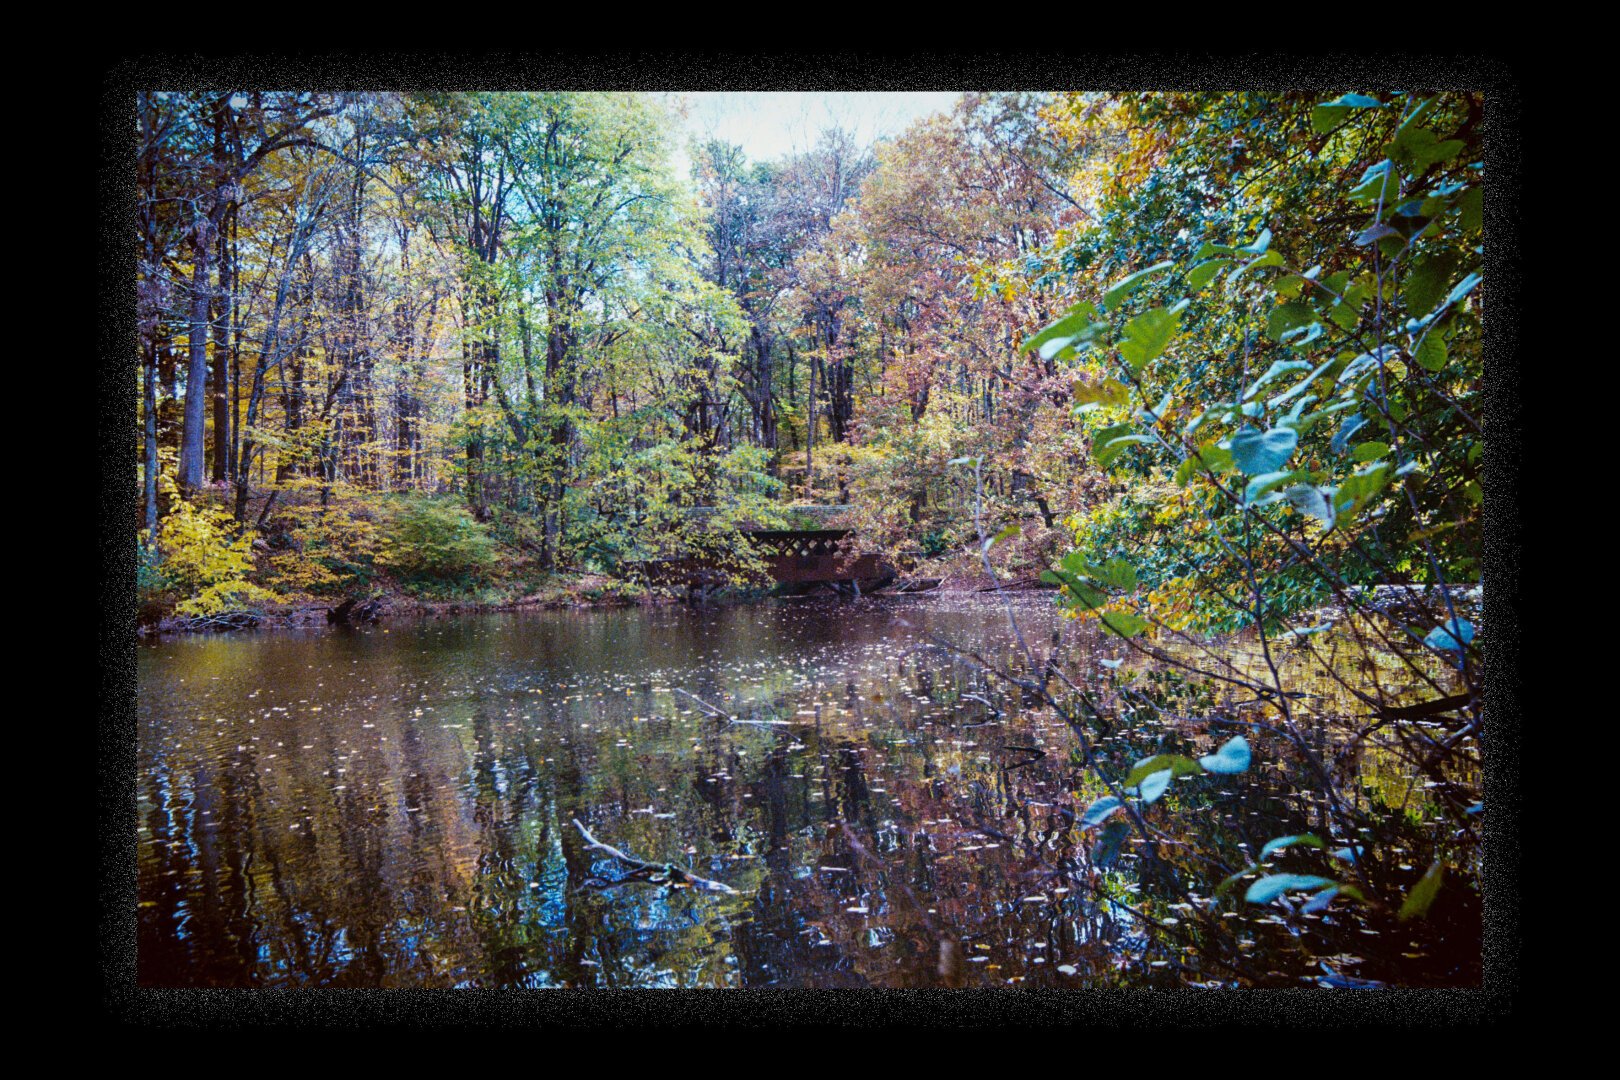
x=230 y=135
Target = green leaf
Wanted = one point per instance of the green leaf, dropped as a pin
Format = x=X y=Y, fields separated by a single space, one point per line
x=1369 y=451
x=1270 y=258
x=1379 y=183
x=1084 y=594
x=1421 y=897
x=1326 y=116
x=1116 y=573
x=1233 y=879
x=1108 y=449
x=1255 y=451
x=1301 y=386
x=1148 y=335
x=1310 y=500
x=1431 y=352
x=1202 y=274
x=1155 y=784
x=1108 y=843
x=1471 y=210
x=1278 y=367
x=1207 y=249
x=1425 y=283
x=1207 y=458
x=1178 y=764
x=1345 y=315
x=1074 y=322
x=1464 y=287
x=1006 y=533
x=1099 y=811
x=1254 y=494
x=1341 y=438
x=1289 y=316
x=1125 y=286
x=1124 y=623
x=1272 y=886
x=1418 y=148
x=1375 y=232
x=1108 y=392
x=1231 y=758
x=1451 y=636
x=1320 y=901
x=1301 y=336
x=1357 y=491
x=1307 y=839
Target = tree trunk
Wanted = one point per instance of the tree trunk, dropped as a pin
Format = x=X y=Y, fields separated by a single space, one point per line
x=405 y=378
x=149 y=455
x=194 y=428
x=810 y=436
x=475 y=441
x=221 y=363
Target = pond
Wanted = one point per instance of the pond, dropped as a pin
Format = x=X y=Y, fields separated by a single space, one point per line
x=395 y=806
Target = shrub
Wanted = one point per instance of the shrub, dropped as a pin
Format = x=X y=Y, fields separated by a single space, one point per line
x=201 y=557
x=439 y=543
x=331 y=549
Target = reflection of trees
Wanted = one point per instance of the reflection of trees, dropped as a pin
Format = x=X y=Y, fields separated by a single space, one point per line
x=435 y=848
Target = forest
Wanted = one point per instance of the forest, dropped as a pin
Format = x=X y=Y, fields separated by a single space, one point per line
x=480 y=345
x=1201 y=371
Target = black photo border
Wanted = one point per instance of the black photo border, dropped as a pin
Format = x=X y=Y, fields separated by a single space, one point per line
x=124 y=1005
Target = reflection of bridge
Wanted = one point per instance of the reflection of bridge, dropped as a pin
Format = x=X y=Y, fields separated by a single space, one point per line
x=810 y=557
x=796 y=560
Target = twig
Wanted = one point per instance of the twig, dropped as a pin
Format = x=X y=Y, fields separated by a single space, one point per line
x=722 y=714
x=672 y=871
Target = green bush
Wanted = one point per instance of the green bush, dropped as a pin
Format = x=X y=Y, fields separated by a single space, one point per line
x=437 y=543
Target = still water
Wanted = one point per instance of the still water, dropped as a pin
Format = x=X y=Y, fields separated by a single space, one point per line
x=395 y=807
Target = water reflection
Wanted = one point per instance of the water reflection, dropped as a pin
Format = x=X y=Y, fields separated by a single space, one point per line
x=394 y=806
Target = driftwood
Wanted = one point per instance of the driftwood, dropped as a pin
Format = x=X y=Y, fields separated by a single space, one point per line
x=224 y=620
x=655 y=873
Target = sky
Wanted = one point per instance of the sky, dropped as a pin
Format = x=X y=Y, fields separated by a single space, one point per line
x=771 y=125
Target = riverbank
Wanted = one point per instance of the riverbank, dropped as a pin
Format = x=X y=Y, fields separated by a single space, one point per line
x=521 y=588
x=566 y=591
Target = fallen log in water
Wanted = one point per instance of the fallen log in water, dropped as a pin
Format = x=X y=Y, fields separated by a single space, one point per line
x=657 y=872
